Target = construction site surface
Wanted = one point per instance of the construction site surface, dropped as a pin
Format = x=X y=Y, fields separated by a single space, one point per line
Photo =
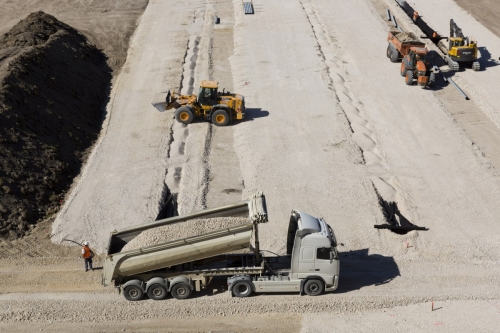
x=329 y=127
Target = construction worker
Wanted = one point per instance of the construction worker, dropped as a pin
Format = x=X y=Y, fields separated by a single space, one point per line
x=87 y=255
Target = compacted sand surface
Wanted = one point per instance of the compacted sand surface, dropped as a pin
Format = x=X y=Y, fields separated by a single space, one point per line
x=330 y=129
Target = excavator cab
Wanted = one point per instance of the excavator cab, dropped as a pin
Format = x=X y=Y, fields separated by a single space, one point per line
x=208 y=93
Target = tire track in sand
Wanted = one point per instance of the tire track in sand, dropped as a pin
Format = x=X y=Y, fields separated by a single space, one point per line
x=188 y=170
x=386 y=186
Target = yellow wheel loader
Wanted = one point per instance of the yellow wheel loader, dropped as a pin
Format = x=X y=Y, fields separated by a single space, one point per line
x=210 y=104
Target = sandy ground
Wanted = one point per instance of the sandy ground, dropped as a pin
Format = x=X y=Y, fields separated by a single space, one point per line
x=324 y=134
x=123 y=179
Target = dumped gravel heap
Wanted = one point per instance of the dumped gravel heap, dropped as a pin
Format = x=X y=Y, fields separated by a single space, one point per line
x=175 y=231
x=53 y=87
x=406 y=37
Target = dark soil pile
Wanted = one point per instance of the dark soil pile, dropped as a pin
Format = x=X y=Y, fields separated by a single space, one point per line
x=52 y=96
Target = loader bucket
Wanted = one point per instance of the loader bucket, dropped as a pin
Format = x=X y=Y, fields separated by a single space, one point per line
x=161 y=101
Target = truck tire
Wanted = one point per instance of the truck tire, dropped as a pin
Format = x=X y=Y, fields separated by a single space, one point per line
x=313 y=287
x=394 y=55
x=389 y=49
x=220 y=118
x=403 y=68
x=133 y=293
x=242 y=289
x=157 y=292
x=181 y=291
x=409 y=78
x=184 y=115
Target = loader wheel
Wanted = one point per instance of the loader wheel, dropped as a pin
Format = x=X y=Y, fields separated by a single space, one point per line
x=157 y=292
x=394 y=55
x=409 y=78
x=313 y=287
x=220 y=118
x=184 y=115
x=403 y=68
x=133 y=293
x=242 y=289
x=181 y=291
x=389 y=49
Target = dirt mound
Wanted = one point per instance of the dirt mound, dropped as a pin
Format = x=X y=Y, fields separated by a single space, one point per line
x=53 y=88
x=190 y=228
x=406 y=37
x=34 y=30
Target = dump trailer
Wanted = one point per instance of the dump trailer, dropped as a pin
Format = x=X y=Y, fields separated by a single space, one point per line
x=413 y=53
x=218 y=107
x=184 y=266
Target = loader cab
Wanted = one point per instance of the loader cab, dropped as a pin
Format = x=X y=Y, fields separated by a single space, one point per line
x=208 y=93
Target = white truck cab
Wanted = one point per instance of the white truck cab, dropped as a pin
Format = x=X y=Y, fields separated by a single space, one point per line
x=311 y=265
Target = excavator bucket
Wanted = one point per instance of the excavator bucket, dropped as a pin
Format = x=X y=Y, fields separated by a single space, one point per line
x=161 y=101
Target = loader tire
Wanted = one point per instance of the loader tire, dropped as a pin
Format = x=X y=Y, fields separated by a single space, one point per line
x=220 y=118
x=389 y=48
x=242 y=289
x=133 y=293
x=181 y=291
x=394 y=55
x=184 y=115
x=403 y=68
x=409 y=78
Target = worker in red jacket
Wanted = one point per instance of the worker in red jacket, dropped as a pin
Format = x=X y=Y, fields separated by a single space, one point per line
x=87 y=255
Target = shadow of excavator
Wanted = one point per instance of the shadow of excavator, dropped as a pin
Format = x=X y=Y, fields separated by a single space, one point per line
x=396 y=222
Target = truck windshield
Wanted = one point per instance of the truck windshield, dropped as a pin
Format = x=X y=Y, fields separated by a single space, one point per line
x=334 y=240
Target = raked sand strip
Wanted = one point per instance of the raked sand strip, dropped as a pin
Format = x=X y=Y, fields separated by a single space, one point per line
x=123 y=180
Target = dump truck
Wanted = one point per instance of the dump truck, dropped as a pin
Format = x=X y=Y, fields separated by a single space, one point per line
x=405 y=46
x=218 y=107
x=183 y=266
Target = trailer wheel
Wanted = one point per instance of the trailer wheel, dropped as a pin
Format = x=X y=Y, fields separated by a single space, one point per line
x=313 y=287
x=389 y=49
x=242 y=289
x=394 y=55
x=184 y=115
x=220 y=118
x=133 y=293
x=409 y=78
x=157 y=292
x=181 y=291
